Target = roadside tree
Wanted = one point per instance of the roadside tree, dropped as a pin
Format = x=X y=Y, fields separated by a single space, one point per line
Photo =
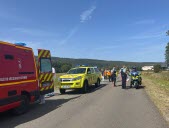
x=157 y=68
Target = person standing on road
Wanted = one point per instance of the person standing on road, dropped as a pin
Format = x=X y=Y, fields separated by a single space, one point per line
x=113 y=70
x=113 y=77
x=121 y=72
x=124 y=77
x=105 y=74
x=109 y=75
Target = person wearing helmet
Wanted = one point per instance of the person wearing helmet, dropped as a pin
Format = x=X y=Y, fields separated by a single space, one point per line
x=134 y=71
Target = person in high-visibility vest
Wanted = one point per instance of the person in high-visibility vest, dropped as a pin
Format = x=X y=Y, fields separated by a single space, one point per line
x=105 y=74
x=109 y=75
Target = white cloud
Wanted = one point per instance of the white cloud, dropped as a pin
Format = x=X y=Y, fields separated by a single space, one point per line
x=143 y=22
x=71 y=33
x=87 y=14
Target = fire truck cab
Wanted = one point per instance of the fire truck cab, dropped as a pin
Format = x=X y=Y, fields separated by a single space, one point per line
x=22 y=78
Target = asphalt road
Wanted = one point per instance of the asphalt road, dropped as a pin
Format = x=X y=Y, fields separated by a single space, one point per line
x=104 y=107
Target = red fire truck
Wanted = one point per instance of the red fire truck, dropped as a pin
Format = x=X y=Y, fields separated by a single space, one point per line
x=22 y=79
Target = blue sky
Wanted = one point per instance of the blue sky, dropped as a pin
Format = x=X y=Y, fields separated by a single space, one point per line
x=125 y=30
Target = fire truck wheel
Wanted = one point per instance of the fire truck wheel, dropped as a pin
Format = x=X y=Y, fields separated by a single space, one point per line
x=23 y=107
x=62 y=91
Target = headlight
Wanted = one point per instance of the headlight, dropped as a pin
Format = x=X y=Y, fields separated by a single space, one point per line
x=59 y=79
x=77 y=78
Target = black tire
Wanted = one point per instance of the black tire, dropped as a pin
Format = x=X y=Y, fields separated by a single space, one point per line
x=23 y=108
x=137 y=86
x=62 y=91
x=98 y=83
x=85 y=87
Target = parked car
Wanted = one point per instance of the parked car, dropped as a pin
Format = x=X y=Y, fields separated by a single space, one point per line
x=80 y=78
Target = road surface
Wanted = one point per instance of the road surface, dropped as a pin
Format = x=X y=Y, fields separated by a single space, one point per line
x=104 y=107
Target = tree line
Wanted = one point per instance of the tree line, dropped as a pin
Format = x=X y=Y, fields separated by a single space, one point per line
x=157 y=67
x=62 y=65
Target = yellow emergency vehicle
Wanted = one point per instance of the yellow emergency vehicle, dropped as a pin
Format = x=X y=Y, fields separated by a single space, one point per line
x=81 y=78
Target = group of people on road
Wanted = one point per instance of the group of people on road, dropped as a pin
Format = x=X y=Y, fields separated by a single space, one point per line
x=112 y=75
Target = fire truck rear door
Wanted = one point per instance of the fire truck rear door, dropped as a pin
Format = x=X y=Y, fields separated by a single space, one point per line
x=46 y=83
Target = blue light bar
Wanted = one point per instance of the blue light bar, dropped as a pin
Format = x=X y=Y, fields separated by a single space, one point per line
x=82 y=65
x=20 y=44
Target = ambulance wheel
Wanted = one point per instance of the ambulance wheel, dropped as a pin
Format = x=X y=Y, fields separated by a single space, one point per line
x=24 y=106
x=85 y=87
x=98 y=83
x=62 y=91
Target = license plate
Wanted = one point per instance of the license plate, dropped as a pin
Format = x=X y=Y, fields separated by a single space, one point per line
x=66 y=86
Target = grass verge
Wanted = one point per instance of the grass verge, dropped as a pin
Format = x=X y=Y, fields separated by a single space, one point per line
x=157 y=87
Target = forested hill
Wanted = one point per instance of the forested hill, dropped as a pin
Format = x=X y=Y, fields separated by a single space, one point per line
x=64 y=64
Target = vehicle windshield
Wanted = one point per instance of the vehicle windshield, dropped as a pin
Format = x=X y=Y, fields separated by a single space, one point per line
x=77 y=71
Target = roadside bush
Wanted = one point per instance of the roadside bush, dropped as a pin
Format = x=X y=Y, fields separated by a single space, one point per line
x=157 y=68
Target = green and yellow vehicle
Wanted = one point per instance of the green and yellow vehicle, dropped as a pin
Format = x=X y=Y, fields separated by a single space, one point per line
x=80 y=78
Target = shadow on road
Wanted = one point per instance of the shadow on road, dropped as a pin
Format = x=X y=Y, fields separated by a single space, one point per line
x=9 y=121
x=141 y=87
x=128 y=87
x=91 y=89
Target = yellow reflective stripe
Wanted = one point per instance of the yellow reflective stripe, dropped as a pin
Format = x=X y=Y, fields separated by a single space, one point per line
x=41 y=75
x=45 y=76
x=46 y=88
x=41 y=89
x=21 y=82
x=46 y=52
x=52 y=86
x=49 y=55
x=50 y=77
x=40 y=54
x=39 y=67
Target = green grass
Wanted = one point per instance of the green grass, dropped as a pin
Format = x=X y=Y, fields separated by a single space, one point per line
x=157 y=86
x=162 y=79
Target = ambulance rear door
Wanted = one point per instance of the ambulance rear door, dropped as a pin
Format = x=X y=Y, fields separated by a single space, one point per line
x=46 y=83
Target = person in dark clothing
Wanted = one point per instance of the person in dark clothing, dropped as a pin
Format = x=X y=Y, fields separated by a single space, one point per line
x=124 y=77
x=113 y=77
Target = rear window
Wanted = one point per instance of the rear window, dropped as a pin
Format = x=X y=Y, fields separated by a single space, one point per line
x=46 y=65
